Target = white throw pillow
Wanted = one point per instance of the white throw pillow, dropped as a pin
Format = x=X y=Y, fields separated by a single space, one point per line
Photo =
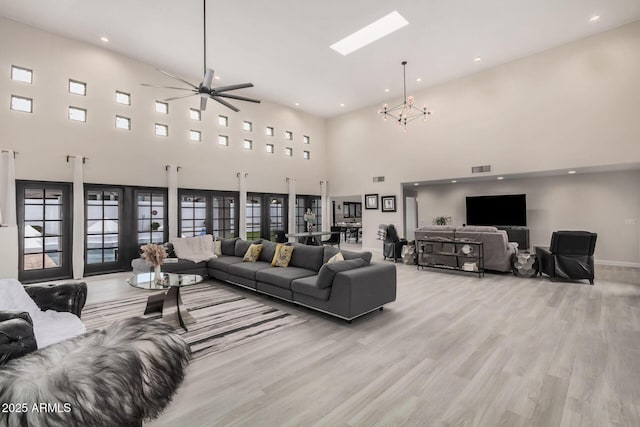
x=337 y=257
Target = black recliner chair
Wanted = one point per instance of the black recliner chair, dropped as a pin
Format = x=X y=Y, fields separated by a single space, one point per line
x=570 y=255
x=16 y=328
x=392 y=246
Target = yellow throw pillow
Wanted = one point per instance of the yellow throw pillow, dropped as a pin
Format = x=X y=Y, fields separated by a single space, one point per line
x=337 y=257
x=253 y=253
x=282 y=257
x=217 y=248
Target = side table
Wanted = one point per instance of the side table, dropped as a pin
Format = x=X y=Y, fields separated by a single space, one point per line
x=524 y=264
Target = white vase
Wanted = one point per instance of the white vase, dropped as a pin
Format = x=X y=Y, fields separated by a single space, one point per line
x=157 y=274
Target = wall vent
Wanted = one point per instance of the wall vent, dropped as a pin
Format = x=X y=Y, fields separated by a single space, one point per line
x=481 y=169
x=378 y=179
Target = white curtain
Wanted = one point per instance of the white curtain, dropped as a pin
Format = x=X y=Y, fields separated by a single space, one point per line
x=8 y=188
x=78 y=217
x=242 y=188
x=324 y=200
x=174 y=206
x=292 y=206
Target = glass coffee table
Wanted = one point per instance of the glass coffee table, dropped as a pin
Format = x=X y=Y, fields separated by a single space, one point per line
x=168 y=302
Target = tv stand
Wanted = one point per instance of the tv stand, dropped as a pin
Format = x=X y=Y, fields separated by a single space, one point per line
x=517 y=234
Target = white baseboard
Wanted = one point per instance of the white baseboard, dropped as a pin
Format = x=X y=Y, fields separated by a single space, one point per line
x=617 y=263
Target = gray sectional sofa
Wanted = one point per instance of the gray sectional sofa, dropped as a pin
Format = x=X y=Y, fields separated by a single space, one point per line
x=345 y=289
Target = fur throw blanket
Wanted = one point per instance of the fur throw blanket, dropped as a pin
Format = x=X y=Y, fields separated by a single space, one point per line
x=118 y=376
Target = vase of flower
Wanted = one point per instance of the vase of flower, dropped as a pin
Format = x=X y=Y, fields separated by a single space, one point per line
x=155 y=254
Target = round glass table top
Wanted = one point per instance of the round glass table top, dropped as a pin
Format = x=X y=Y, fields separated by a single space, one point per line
x=146 y=280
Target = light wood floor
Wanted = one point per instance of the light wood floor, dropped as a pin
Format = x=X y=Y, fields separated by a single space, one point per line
x=453 y=350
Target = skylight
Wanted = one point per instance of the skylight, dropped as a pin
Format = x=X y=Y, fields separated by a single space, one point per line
x=372 y=32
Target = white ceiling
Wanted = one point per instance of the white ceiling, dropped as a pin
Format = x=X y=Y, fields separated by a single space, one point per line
x=282 y=46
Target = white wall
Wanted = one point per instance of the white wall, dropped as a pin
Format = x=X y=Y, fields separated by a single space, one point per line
x=607 y=203
x=573 y=106
x=138 y=157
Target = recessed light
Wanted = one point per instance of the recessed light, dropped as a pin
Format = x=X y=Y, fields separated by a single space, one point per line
x=216 y=77
x=386 y=90
x=477 y=59
x=453 y=181
x=342 y=105
x=571 y=172
x=104 y=39
x=415 y=183
x=418 y=79
x=372 y=32
x=297 y=104
x=594 y=18
x=500 y=178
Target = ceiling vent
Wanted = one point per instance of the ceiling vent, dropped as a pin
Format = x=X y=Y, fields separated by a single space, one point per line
x=481 y=169
x=378 y=179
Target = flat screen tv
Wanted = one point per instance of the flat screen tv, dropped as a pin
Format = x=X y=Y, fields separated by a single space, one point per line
x=503 y=210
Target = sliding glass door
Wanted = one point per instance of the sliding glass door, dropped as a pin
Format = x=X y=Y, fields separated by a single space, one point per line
x=44 y=230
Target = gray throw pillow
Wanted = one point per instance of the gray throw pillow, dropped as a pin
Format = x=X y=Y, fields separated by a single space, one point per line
x=268 y=251
x=328 y=271
x=228 y=246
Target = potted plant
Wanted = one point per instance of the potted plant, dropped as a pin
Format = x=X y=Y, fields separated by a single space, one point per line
x=442 y=220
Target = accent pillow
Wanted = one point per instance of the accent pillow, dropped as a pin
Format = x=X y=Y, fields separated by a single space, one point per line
x=228 y=246
x=282 y=256
x=217 y=248
x=337 y=257
x=253 y=253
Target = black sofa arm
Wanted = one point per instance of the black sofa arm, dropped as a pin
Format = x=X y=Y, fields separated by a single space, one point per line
x=65 y=297
x=16 y=335
x=13 y=314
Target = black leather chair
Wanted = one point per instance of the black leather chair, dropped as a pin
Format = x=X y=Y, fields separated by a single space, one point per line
x=392 y=246
x=570 y=256
x=16 y=328
x=334 y=239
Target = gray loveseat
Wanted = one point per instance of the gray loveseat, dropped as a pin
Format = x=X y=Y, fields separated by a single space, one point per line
x=345 y=289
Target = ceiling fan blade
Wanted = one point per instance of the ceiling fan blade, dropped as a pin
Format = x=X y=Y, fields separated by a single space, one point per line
x=177 y=78
x=239 y=98
x=208 y=78
x=225 y=103
x=231 y=87
x=203 y=103
x=165 y=87
x=178 y=97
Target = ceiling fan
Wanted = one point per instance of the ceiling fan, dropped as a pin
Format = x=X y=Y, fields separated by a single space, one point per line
x=204 y=89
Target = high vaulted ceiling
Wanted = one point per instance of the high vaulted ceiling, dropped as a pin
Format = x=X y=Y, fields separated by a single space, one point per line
x=282 y=46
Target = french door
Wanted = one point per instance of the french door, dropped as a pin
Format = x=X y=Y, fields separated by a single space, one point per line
x=118 y=221
x=266 y=214
x=44 y=230
x=103 y=226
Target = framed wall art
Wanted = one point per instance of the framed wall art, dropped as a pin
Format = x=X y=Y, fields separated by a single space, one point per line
x=388 y=203
x=371 y=201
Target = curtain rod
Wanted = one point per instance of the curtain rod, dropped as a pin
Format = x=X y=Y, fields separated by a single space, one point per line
x=84 y=159
x=9 y=151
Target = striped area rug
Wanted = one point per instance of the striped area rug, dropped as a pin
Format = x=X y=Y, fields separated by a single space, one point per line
x=224 y=319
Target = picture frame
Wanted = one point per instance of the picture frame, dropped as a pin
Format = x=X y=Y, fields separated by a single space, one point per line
x=371 y=201
x=388 y=203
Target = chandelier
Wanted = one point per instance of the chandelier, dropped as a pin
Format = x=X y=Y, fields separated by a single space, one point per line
x=406 y=111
